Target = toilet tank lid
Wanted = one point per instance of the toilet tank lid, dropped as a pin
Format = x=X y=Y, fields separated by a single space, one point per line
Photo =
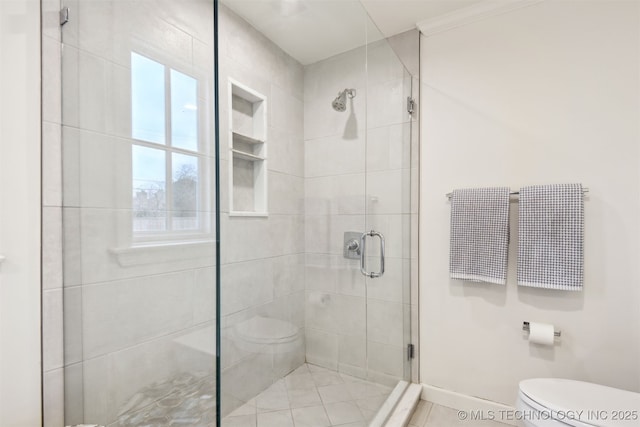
x=600 y=405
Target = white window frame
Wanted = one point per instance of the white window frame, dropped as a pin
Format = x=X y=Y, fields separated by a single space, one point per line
x=204 y=201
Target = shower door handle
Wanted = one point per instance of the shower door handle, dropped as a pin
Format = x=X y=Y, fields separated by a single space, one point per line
x=363 y=254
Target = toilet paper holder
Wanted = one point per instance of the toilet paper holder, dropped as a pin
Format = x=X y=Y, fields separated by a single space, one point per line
x=525 y=327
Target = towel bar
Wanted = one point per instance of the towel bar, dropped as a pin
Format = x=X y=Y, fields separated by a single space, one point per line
x=525 y=327
x=516 y=193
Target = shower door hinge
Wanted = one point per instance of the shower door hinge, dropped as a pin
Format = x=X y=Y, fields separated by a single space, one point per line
x=411 y=104
x=410 y=351
x=64 y=15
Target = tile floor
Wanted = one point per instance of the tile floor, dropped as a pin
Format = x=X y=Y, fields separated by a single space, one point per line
x=312 y=396
x=186 y=399
x=429 y=414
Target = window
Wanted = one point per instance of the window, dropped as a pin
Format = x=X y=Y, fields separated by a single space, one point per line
x=168 y=159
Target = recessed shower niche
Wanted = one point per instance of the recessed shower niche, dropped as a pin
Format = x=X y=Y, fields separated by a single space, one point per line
x=248 y=151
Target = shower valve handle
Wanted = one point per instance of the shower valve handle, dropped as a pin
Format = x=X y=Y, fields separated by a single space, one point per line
x=354 y=246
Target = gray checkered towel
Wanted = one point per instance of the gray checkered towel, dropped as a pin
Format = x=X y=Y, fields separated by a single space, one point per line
x=479 y=234
x=551 y=237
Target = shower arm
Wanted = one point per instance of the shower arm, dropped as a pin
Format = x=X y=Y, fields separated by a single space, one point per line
x=347 y=92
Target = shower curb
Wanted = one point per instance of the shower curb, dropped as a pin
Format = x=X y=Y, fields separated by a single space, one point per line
x=405 y=407
x=389 y=405
x=399 y=406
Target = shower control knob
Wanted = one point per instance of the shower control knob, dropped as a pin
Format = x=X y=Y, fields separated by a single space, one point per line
x=353 y=245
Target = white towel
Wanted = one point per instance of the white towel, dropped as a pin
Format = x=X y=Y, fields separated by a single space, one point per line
x=479 y=234
x=551 y=237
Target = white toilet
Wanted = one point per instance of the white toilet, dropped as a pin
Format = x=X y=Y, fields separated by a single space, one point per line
x=552 y=402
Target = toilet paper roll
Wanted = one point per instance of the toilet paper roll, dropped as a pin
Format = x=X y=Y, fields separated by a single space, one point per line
x=541 y=333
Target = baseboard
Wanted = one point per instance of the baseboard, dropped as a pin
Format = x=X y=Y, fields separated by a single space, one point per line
x=473 y=408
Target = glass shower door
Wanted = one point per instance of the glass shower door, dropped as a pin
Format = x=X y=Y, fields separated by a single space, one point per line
x=388 y=214
x=138 y=212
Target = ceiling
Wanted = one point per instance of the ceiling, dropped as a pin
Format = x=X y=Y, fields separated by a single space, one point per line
x=396 y=16
x=312 y=30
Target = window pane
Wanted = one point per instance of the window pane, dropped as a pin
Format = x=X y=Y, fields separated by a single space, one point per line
x=184 y=111
x=147 y=99
x=149 y=189
x=185 y=192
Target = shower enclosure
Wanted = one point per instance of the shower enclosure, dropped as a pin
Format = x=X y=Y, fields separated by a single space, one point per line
x=302 y=178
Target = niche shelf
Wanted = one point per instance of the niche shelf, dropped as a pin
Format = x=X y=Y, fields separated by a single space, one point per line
x=245 y=139
x=247 y=151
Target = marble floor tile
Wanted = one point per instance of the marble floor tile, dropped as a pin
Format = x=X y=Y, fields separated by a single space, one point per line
x=239 y=421
x=312 y=416
x=304 y=397
x=334 y=393
x=275 y=419
x=312 y=396
x=343 y=412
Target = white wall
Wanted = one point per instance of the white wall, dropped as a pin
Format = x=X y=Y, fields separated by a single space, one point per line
x=20 y=364
x=545 y=94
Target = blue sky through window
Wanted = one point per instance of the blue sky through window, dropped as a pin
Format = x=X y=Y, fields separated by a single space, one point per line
x=184 y=111
x=149 y=165
x=147 y=99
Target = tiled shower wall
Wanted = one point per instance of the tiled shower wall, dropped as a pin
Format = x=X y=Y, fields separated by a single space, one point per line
x=262 y=257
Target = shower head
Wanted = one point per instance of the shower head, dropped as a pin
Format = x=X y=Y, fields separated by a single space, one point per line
x=340 y=103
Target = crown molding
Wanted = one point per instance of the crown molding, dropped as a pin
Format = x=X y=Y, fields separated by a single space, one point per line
x=471 y=14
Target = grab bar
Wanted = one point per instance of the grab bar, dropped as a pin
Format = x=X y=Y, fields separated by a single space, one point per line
x=363 y=240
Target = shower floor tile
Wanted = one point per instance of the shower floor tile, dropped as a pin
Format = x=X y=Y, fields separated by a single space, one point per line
x=184 y=399
x=312 y=396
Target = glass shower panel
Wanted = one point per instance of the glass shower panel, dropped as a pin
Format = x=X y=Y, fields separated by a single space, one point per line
x=335 y=189
x=302 y=327
x=263 y=239
x=388 y=212
x=138 y=213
